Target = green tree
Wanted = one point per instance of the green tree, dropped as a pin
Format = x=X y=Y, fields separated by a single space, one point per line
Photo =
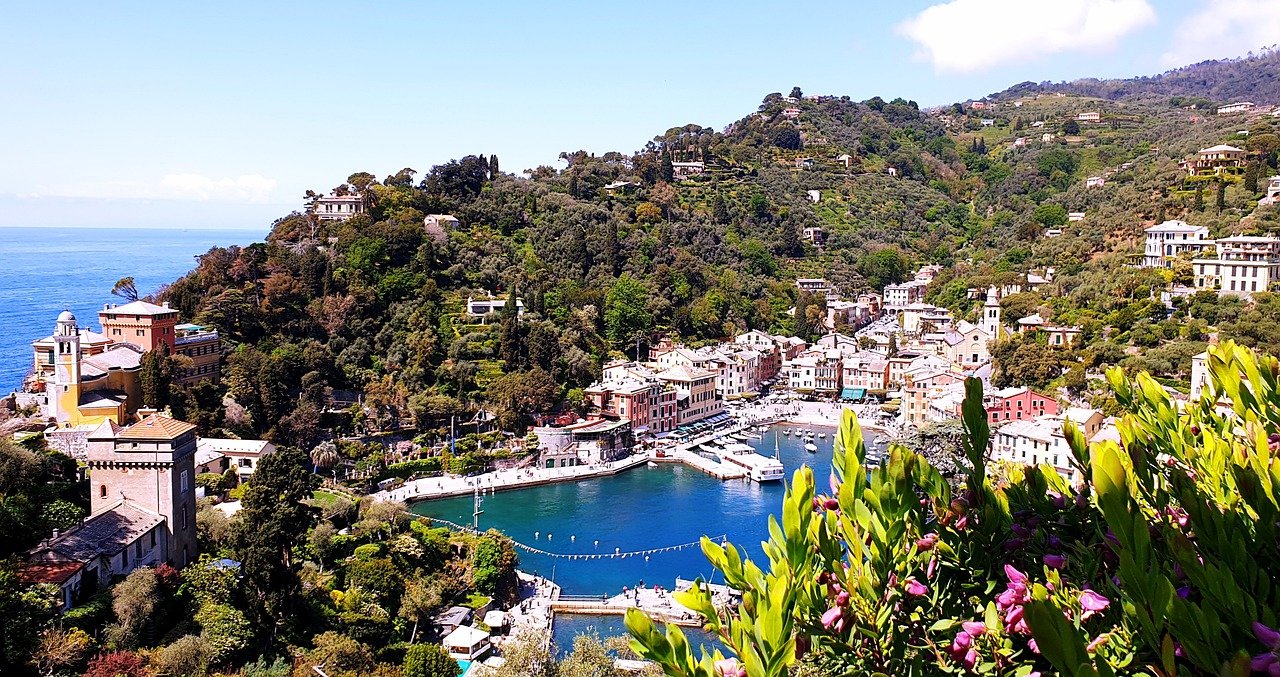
x=510 y=341
x=787 y=137
x=25 y=610
x=155 y=378
x=1071 y=127
x=429 y=660
x=270 y=526
x=126 y=289
x=789 y=242
x=1199 y=201
x=883 y=267
x=1051 y=215
x=1220 y=199
x=224 y=629
x=626 y=312
x=187 y=657
x=1251 y=173
x=796 y=93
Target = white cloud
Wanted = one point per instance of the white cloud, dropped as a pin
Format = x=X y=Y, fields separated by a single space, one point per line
x=964 y=36
x=1224 y=28
x=246 y=188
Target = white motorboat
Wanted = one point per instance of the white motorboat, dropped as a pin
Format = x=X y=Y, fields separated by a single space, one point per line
x=811 y=447
x=822 y=436
x=759 y=468
x=651 y=464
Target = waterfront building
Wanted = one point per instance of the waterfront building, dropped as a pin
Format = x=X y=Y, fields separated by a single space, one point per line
x=696 y=396
x=768 y=349
x=85 y=391
x=865 y=370
x=601 y=440
x=920 y=387
x=1244 y=264
x=816 y=372
x=1171 y=238
x=338 y=207
x=142 y=509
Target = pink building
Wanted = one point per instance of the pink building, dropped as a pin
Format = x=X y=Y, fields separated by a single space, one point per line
x=1018 y=404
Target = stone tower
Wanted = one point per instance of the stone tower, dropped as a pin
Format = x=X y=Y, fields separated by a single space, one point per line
x=991 y=314
x=150 y=464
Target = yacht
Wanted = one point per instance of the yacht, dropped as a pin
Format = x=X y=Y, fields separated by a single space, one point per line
x=759 y=468
x=822 y=436
x=811 y=447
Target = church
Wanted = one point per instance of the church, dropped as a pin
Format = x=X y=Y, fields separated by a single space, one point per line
x=142 y=509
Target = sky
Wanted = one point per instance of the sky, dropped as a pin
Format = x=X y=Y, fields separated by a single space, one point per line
x=221 y=115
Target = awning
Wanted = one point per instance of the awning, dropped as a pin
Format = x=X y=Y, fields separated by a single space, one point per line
x=853 y=393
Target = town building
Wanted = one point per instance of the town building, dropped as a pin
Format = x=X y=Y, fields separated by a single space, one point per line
x=1017 y=404
x=1218 y=160
x=216 y=454
x=1056 y=335
x=87 y=391
x=920 y=387
x=965 y=345
x=815 y=372
x=142 y=509
x=338 y=207
x=696 y=396
x=1199 y=375
x=1095 y=182
x=864 y=370
x=1244 y=264
x=443 y=222
x=813 y=285
x=1041 y=441
x=1171 y=238
x=898 y=296
x=922 y=318
x=768 y=349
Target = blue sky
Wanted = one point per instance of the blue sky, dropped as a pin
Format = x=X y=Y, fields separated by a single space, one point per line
x=222 y=114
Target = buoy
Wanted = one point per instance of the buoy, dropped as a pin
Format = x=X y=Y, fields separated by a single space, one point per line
x=597 y=544
x=646 y=558
x=548 y=537
x=535 y=535
x=573 y=539
x=617 y=550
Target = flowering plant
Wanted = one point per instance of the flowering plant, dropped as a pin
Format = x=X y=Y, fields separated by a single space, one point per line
x=1165 y=562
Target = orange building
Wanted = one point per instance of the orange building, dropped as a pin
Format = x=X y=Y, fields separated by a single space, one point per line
x=143 y=324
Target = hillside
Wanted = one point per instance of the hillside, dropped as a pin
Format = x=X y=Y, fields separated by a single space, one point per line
x=613 y=251
x=1253 y=78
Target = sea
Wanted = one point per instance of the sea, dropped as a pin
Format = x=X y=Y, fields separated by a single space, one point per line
x=44 y=271
x=660 y=511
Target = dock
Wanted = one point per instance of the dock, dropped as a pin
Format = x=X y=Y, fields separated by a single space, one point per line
x=506 y=480
x=658 y=605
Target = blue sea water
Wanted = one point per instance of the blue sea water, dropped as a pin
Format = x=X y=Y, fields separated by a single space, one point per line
x=44 y=271
x=641 y=509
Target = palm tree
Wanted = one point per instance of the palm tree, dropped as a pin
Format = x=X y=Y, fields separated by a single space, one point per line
x=325 y=455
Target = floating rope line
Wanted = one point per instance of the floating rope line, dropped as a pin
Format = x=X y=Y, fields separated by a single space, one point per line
x=616 y=554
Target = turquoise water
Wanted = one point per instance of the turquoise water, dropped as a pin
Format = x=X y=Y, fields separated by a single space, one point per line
x=466 y=666
x=640 y=509
x=46 y=270
x=568 y=626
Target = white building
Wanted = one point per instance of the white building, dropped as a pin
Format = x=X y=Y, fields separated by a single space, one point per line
x=898 y=296
x=1244 y=264
x=493 y=304
x=1273 y=192
x=1170 y=239
x=214 y=454
x=1238 y=107
x=1199 y=374
x=1040 y=441
x=338 y=207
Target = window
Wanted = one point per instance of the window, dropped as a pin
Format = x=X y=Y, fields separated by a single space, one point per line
x=184 y=518
x=142 y=332
x=102 y=491
x=124 y=558
x=185 y=481
x=115 y=332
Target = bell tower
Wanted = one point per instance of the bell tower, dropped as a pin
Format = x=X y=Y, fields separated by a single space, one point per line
x=991 y=314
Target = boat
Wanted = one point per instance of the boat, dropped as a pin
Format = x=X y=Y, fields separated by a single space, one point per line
x=651 y=464
x=822 y=436
x=811 y=447
x=759 y=468
x=786 y=431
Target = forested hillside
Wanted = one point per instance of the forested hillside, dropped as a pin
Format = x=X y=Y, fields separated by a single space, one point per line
x=1252 y=78
x=611 y=252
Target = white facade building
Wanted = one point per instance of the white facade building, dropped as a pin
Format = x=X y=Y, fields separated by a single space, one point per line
x=1171 y=238
x=1244 y=264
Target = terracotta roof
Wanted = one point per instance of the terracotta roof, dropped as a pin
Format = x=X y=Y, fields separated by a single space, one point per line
x=56 y=573
x=156 y=427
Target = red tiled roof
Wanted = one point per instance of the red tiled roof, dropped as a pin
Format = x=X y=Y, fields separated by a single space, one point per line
x=156 y=427
x=56 y=573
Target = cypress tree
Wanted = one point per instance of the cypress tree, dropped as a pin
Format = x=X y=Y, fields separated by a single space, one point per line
x=1199 y=197
x=493 y=167
x=1251 y=178
x=1220 y=201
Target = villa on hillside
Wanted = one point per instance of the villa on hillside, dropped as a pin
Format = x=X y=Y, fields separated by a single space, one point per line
x=1238 y=107
x=1089 y=116
x=338 y=207
x=479 y=307
x=1171 y=238
x=1244 y=264
x=1217 y=160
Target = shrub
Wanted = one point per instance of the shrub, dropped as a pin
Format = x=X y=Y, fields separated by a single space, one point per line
x=1162 y=561
x=117 y=664
x=368 y=551
x=187 y=657
x=429 y=660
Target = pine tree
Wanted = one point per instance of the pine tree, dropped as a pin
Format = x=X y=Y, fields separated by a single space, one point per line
x=791 y=245
x=510 y=348
x=719 y=210
x=666 y=171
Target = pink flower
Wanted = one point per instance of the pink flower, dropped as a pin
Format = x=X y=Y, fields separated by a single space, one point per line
x=970 y=659
x=830 y=617
x=1015 y=576
x=962 y=642
x=831 y=504
x=926 y=542
x=916 y=588
x=1055 y=561
x=1092 y=603
x=1097 y=643
x=974 y=628
x=842 y=599
x=1031 y=644
x=729 y=667
x=933 y=566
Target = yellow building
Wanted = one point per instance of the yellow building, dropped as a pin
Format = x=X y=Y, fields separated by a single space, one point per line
x=88 y=389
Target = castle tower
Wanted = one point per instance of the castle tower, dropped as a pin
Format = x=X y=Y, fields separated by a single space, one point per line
x=991 y=314
x=150 y=464
x=143 y=324
x=62 y=392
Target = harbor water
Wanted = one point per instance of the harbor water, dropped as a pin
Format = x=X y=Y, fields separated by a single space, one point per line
x=648 y=508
